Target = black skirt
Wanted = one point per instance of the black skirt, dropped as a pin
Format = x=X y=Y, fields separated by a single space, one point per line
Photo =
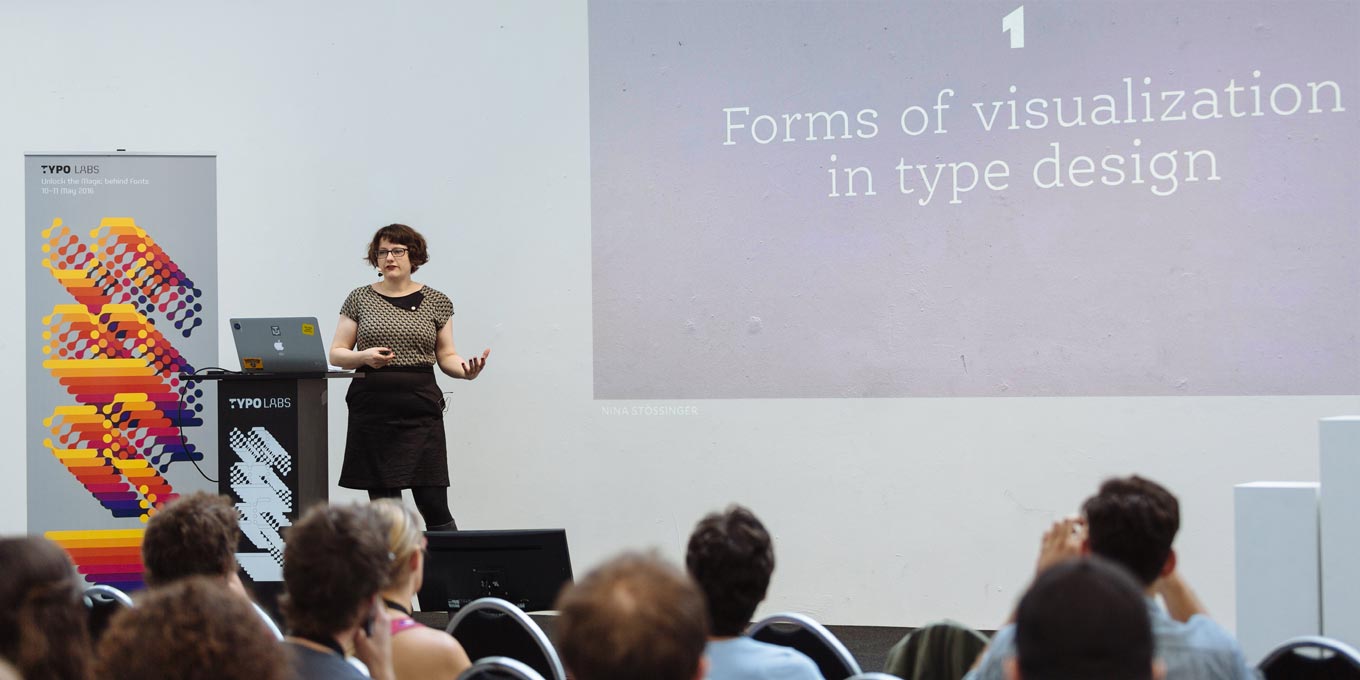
x=396 y=431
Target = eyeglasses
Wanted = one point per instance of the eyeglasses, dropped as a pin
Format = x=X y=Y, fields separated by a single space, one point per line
x=395 y=252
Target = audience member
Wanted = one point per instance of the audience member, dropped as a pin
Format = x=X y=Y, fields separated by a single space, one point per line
x=42 y=621
x=634 y=617
x=195 y=628
x=1132 y=522
x=193 y=535
x=731 y=557
x=1084 y=618
x=334 y=565
x=197 y=535
x=417 y=651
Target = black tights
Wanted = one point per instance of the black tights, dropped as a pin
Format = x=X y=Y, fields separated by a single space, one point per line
x=431 y=501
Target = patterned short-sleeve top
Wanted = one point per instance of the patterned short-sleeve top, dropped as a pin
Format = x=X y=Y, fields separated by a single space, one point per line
x=409 y=325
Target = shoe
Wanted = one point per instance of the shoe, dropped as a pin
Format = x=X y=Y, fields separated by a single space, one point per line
x=451 y=525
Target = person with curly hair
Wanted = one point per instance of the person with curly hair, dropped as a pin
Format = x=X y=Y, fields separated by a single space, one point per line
x=417 y=651
x=731 y=557
x=335 y=564
x=42 y=621
x=197 y=535
x=192 y=629
x=193 y=535
x=397 y=331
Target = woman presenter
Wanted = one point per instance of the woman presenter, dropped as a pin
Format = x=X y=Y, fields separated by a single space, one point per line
x=396 y=331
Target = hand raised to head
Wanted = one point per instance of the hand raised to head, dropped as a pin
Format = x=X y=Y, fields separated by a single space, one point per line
x=1063 y=541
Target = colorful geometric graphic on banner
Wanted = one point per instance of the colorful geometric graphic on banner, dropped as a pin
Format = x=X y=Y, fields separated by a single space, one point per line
x=116 y=364
x=127 y=424
x=110 y=557
x=120 y=298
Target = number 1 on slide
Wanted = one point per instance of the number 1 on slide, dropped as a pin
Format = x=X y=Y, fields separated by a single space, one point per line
x=1014 y=23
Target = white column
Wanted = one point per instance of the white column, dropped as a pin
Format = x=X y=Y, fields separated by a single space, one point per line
x=1278 y=564
x=1339 y=441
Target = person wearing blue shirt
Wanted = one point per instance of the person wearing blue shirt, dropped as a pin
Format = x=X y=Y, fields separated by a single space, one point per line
x=731 y=557
x=1132 y=522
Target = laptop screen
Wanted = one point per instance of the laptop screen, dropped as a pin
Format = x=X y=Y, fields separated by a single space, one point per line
x=279 y=345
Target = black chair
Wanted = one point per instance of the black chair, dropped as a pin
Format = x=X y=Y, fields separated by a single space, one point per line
x=101 y=603
x=499 y=668
x=945 y=649
x=1311 y=657
x=811 y=638
x=492 y=627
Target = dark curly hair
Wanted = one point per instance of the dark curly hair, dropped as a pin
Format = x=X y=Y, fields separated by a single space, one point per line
x=192 y=629
x=334 y=562
x=194 y=535
x=1133 y=521
x=731 y=557
x=42 y=621
x=402 y=235
x=635 y=617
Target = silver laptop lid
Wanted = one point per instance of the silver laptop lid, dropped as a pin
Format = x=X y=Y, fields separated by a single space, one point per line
x=289 y=344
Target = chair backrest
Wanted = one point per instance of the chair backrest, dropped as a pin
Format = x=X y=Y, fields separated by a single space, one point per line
x=268 y=621
x=939 y=650
x=499 y=668
x=811 y=638
x=1309 y=657
x=491 y=627
x=101 y=603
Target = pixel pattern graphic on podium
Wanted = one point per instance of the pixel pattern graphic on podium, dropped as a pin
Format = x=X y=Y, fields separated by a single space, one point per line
x=258 y=480
x=130 y=419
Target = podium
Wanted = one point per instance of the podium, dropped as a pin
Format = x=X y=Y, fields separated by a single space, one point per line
x=271 y=462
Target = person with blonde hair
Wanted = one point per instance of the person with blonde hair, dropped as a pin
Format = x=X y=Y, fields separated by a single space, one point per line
x=417 y=651
x=8 y=672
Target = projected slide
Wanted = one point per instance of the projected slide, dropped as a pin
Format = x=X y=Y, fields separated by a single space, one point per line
x=905 y=199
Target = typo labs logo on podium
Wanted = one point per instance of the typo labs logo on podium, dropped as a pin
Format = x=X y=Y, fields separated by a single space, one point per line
x=259 y=402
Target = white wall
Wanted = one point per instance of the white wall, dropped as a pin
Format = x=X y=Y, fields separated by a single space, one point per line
x=470 y=121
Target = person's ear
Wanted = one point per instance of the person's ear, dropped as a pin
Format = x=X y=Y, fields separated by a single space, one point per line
x=1011 y=667
x=702 y=671
x=1086 y=547
x=234 y=582
x=1170 y=564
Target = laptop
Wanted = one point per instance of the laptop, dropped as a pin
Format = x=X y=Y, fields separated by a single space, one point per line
x=279 y=345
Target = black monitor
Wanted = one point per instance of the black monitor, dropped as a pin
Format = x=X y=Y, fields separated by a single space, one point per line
x=526 y=567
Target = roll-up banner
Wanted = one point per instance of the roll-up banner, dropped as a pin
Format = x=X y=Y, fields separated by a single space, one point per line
x=121 y=297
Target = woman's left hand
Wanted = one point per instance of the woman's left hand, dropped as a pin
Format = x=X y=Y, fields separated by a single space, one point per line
x=474 y=366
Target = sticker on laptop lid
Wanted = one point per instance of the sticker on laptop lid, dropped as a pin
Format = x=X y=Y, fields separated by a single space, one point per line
x=308 y=329
x=252 y=363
